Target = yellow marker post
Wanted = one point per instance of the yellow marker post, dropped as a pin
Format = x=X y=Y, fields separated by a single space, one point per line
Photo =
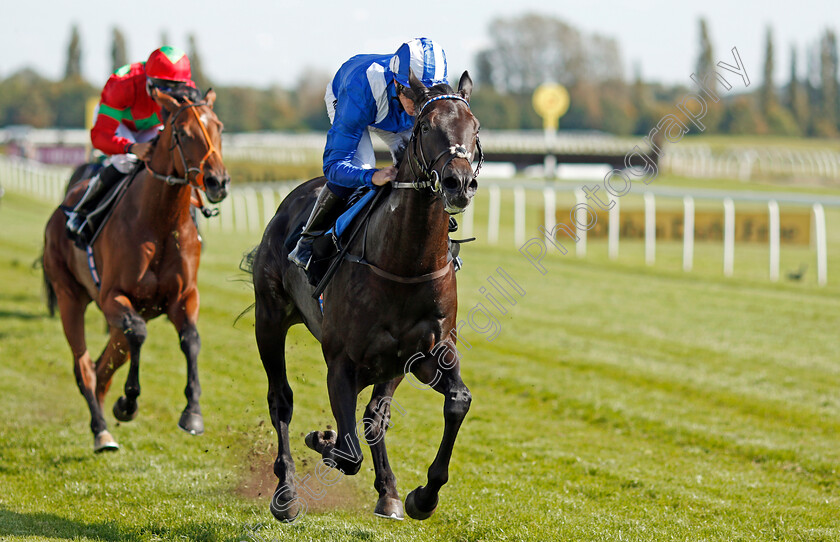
x=550 y=101
x=90 y=116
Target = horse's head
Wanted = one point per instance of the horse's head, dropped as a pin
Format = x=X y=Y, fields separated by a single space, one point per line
x=445 y=141
x=194 y=136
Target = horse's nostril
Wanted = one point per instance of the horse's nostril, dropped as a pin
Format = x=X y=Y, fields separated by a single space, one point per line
x=472 y=186
x=450 y=183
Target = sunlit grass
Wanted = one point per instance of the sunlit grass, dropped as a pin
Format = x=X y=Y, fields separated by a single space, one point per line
x=618 y=402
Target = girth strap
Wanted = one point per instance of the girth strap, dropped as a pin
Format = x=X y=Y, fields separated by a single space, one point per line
x=398 y=278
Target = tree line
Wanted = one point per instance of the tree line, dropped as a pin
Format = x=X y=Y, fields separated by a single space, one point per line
x=524 y=52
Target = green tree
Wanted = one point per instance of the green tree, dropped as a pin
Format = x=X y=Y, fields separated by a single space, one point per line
x=196 y=65
x=119 y=56
x=73 y=67
x=826 y=124
x=797 y=96
x=768 y=93
x=706 y=61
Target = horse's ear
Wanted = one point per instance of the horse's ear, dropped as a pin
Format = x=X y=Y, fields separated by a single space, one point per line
x=210 y=97
x=164 y=100
x=417 y=88
x=465 y=86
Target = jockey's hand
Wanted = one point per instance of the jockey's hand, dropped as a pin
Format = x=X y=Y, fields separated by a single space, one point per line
x=140 y=150
x=384 y=175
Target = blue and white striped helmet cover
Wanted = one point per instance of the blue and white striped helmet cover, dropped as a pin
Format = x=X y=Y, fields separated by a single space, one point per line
x=425 y=57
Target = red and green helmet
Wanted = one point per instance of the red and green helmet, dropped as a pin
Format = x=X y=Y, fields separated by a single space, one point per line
x=168 y=63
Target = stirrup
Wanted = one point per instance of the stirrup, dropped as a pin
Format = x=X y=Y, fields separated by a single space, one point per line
x=295 y=256
x=76 y=222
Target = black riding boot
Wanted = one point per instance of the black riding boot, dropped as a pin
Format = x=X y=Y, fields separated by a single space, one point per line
x=315 y=226
x=97 y=187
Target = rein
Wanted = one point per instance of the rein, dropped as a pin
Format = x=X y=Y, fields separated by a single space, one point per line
x=199 y=177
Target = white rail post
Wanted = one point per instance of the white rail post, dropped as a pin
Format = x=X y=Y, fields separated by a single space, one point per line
x=773 y=234
x=239 y=212
x=252 y=209
x=822 y=252
x=728 y=236
x=469 y=220
x=268 y=205
x=613 y=228
x=650 y=228
x=519 y=216
x=493 y=214
x=549 y=208
x=688 y=233
x=226 y=214
x=581 y=217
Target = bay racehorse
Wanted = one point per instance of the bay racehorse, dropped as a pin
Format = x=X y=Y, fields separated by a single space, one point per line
x=146 y=257
x=387 y=314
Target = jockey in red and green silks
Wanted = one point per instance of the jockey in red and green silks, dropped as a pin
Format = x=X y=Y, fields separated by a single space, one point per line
x=128 y=119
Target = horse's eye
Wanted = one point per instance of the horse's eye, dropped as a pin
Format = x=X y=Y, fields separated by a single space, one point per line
x=424 y=127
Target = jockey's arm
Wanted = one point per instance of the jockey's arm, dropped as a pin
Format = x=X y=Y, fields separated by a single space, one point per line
x=349 y=125
x=112 y=108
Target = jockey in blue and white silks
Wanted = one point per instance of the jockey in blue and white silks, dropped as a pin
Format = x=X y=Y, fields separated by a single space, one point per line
x=365 y=96
x=362 y=98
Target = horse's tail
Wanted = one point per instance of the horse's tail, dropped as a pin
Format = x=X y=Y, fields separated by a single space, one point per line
x=247 y=262
x=247 y=265
x=49 y=292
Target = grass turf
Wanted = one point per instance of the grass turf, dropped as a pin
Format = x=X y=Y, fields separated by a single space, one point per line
x=618 y=402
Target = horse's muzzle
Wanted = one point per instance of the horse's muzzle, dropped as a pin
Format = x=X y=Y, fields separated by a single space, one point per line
x=216 y=187
x=458 y=187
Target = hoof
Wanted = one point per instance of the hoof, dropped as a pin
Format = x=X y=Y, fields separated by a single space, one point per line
x=414 y=511
x=104 y=442
x=318 y=440
x=287 y=511
x=389 y=508
x=123 y=411
x=191 y=422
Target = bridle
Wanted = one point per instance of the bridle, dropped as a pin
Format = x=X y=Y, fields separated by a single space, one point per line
x=431 y=175
x=198 y=179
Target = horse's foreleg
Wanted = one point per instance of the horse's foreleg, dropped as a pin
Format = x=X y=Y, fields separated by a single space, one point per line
x=377 y=420
x=422 y=502
x=341 y=451
x=184 y=316
x=271 y=342
x=113 y=357
x=120 y=313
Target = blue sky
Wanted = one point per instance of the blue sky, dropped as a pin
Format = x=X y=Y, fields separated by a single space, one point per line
x=263 y=42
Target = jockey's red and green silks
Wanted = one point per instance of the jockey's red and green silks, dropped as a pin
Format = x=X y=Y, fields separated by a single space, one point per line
x=125 y=101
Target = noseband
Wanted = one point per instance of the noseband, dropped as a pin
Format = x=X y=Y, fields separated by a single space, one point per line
x=418 y=156
x=176 y=143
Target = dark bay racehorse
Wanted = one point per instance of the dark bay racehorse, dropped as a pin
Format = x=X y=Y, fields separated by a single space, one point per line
x=393 y=315
x=147 y=257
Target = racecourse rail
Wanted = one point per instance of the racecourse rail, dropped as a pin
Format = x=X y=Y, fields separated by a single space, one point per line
x=687 y=158
x=249 y=208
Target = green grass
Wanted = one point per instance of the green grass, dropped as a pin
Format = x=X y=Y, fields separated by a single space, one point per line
x=619 y=402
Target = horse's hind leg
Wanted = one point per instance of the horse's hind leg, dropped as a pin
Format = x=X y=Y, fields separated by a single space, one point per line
x=120 y=314
x=72 y=303
x=271 y=342
x=183 y=316
x=377 y=420
x=445 y=376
